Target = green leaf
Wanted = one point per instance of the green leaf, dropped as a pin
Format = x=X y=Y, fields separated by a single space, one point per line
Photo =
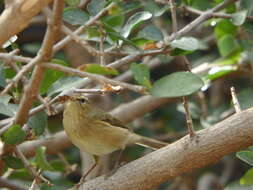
x=72 y=2
x=246 y=156
x=239 y=17
x=224 y=27
x=13 y=162
x=231 y=60
x=250 y=148
x=227 y=45
x=118 y=36
x=2 y=76
x=8 y=109
x=5 y=99
x=153 y=8
x=51 y=76
x=176 y=84
x=247 y=4
x=177 y=52
x=151 y=32
x=40 y=159
x=186 y=43
x=247 y=178
x=99 y=69
x=58 y=165
x=95 y=6
x=14 y=135
x=133 y=21
x=38 y=122
x=219 y=71
x=75 y=16
x=128 y=6
x=65 y=83
x=115 y=21
x=141 y=74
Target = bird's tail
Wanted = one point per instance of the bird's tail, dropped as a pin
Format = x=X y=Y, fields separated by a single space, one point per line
x=151 y=143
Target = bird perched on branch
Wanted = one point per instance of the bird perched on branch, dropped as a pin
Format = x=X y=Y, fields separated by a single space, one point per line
x=96 y=132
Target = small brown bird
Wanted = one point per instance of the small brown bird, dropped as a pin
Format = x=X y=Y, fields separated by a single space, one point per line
x=98 y=133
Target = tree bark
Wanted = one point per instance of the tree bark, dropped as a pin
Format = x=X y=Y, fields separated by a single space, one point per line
x=186 y=154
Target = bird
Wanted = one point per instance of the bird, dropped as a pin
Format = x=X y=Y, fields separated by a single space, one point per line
x=97 y=132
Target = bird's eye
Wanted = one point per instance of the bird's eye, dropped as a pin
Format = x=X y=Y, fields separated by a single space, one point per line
x=82 y=100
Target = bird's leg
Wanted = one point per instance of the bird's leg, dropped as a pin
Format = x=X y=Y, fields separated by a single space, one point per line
x=82 y=180
x=117 y=164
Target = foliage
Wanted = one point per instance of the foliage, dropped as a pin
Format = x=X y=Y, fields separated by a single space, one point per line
x=207 y=59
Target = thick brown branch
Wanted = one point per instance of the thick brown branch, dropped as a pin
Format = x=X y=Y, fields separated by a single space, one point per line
x=44 y=55
x=186 y=154
x=17 y=16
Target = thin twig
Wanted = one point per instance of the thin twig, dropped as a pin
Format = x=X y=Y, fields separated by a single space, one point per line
x=213 y=15
x=34 y=185
x=188 y=117
x=78 y=31
x=101 y=45
x=95 y=77
x=187 y=65
x=235 y=100
x=203 y=17
x=173 y=15
x=11 y=185
x=29 y=167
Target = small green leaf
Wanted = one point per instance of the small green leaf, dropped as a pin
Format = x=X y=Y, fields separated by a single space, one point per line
x=13 y=162
x=65 y=83
x=118 y=36
x=51 y=76
x=219 y=71
x=186 y=43
x=151 y=32
x=95 y=6
x=224 y=27
x=99 y=69
x=8 y=109
x=2 y=76
x=176 y=84
x=38 y=122
x=128 y=6
x=58 y=165
x=115 y=21
x=239 y=17
x=250 y=148
x=40 y=159
x=227 y=45
x=141 y=74
x=247 y=4
x=72 y=2
x=5 y=99
x=153 y=8
x=14 y=135
x=133 y=21
x=177 y=52
x=75 y=16
x=246 y=156
x=247 y=178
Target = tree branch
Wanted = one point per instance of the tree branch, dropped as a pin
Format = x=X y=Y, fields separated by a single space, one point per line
x=186 y=154
x=18 y=13
x=44 y=55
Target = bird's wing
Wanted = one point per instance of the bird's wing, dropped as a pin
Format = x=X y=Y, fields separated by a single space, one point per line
x=106 y=117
